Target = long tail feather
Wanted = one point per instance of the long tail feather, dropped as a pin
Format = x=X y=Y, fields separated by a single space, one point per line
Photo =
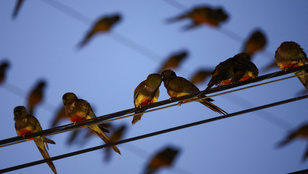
x=40 y=145
x=287 y=140
x=104 y=137
x=86 y=39
x=303 y=78
x=213 y=107
x=137 y=117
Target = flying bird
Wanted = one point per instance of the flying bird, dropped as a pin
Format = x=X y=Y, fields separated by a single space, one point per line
x=80 y=110
x=255 y=43
x=201 y=75
x=301 y=132
x=59 y=116
x=36 y=96
x=145 y=93
x=178 y=86
x=235 y=69
x=116 y=136
x=3 y=68
x=203 y=15
x=103 y=25
x=17 y=8
x=163 y=158
x=173 y=61
x=290 y=54
x=26 y=124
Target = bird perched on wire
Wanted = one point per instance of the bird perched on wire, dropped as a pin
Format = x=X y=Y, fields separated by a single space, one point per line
x=145 y=93
x=3 y=68
x=26 y=124
x=116 y=136
x=36 y=96
x=203 y=15
x=178 y=86
x=163 y=158
x=17 y=8
x=173 y=61
x=232 y=70
x=80 y=110
x=290 y=54
x=301 y=132
x=201 y=75
x=255 y=43
x=103 y=25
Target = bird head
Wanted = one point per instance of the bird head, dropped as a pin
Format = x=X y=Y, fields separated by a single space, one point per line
x=20 y=112
x=154 y=79
x=168 y=74
x=69 y=98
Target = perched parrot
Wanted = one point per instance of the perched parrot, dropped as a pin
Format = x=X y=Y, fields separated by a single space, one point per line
x=17 y=8
x=178 y=86
x=3 y=67
x=290 y=54
x=116 y=136
x=79 y=110
x=173 y=61
x=163 y=158
x=104 y=24
x=302 y=132
x=237 y=68
x=26 y=124
x=36 y=96
x=203 y=15
x=256 y=42
x=201 y=75
x=145 y=93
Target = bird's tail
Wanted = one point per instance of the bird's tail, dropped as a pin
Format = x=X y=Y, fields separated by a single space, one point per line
x=17 y=8
x=137 y=117
x=41 y=146
x=287 y=140
x=212 y=106
x=306 y=154
x=104 y=137
x=303 y=77
x=86 y=39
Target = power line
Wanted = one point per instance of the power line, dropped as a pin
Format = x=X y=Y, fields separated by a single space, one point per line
x=105 y=118
x=153 y=134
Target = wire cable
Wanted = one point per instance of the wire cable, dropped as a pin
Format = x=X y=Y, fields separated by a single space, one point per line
x=153 y=134
x=105 y=118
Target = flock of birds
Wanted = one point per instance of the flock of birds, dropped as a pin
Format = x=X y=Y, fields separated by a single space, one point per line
x=235 y=69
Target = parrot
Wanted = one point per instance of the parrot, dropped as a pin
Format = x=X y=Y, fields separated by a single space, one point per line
x=290 y=54
x=145 y=93
x=36 y=96
x=201 y=75
x=79 y=110
x=104 y=24
x=3 y=67
x=60 y=116
x=17 y=8
x=163 y=158
x=237 y=68
x=256 y=42
x=173 y=61
x=301 y=132
x=116 y=136
x=178 y=86
x=25 y=124
x=203 y=15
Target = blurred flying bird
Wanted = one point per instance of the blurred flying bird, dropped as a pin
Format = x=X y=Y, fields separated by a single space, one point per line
x=17 y=8
x=36 y=96
x=145 y=93
x=163 y=158
x=3 y=68
x=178 y=86
x=60 y=116
x=116 y=136
x=256 y=42
x=80 y=110
x=290 y=54
x=26 y=124
x=301 y=132
x=270 y=66
x=203 y=15
x=173 y=61
x=103 y=25
x=201 y=75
